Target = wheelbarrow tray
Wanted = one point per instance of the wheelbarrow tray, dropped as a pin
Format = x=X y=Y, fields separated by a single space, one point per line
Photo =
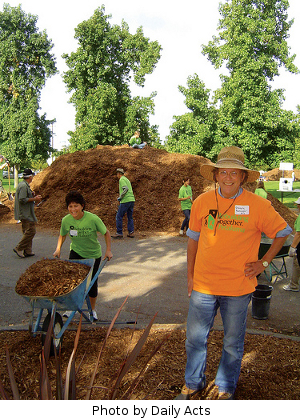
x=267 y=242
x=71 y=301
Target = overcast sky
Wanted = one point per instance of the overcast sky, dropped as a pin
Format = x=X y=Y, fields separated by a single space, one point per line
x=181 y=27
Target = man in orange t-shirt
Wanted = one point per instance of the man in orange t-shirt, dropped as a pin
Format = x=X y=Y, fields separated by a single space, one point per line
x=222 y=264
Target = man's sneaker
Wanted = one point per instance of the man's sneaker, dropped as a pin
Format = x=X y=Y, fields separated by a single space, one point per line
x=288 y=288
x=94 y=316
x=181 y=232
x=67 y=314
x=187 y=393
x=130 y=235
x=18 y=253
x=117 y=236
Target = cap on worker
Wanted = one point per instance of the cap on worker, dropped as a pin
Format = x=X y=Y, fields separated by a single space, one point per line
x=229 y=157
x=27 y=173
x=120 y=170
x=297 y=201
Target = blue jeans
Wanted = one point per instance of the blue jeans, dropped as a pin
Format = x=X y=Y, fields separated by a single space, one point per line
x=185 y=223
x=139 y=146
x=125 y=208
x=202 y=311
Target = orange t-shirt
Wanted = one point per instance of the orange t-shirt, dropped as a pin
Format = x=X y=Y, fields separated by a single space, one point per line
x=225 y=246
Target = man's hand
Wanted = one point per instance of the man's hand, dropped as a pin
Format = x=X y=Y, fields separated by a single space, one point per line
x=253 y=269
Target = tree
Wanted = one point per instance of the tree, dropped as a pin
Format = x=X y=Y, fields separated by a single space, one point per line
x=100 y=72
x=252 y=43
x=25 y=63
x=193 y=132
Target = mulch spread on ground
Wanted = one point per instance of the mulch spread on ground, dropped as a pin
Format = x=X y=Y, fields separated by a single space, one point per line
x=270 y=367
x=51 y=278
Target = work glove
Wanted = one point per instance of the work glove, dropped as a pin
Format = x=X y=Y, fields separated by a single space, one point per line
x=292 y=252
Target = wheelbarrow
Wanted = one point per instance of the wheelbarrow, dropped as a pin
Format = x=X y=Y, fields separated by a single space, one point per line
x=72 y=301
x=273 y=269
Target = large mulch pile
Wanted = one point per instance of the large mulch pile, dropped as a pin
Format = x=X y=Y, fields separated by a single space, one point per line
x=276 y=174
x=156 y=177
x=270 y=367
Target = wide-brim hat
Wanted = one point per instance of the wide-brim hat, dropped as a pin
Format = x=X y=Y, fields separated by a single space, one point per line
x=231 y=157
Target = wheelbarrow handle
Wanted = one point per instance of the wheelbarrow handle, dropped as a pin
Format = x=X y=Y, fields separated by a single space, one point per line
x=101 y=266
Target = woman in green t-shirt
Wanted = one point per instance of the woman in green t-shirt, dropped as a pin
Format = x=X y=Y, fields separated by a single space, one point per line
x=260 y=190
x=83 y=227
x=186 y=200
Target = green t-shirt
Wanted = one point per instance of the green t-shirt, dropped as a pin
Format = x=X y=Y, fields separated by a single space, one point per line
x=124 y=182
x=185 y=191
x=134 y=140
x=83 y=234
x=261 y=192
x=297 y=224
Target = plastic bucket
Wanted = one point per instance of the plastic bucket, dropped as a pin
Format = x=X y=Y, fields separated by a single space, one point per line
x=260 y=307
x=263 y=291
x=261 y=300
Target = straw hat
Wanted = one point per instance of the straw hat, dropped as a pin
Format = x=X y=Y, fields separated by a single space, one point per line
x=229 y=157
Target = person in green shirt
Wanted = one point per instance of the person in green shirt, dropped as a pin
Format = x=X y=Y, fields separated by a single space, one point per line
x=135 y=141
x=294 y=252
x=260 y=190
x=186 y=200
x=83 y=227
x=126 y=200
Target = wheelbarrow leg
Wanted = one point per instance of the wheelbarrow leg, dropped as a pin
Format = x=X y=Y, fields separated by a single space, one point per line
x=33 y=329
x=89 y=309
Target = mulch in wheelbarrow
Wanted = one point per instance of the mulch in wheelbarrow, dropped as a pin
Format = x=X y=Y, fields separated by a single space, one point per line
x=51 y=277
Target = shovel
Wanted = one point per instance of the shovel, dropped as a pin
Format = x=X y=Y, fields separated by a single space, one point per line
x=10 y=197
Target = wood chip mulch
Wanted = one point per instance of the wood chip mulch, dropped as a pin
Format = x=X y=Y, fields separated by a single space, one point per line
x=270 y=367
x=51 y=278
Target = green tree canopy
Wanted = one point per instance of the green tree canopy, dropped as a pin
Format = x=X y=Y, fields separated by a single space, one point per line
x=101 y=69
x=25 y=63
x=252 y=44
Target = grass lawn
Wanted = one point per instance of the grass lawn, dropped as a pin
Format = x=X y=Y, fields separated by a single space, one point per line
x=288 y=197
x=5 y=184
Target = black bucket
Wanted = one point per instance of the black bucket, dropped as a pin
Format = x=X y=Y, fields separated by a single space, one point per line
x=261 y=300
x=263 y=291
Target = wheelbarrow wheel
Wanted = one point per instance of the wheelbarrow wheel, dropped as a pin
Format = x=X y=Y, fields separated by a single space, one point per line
x=58 y=324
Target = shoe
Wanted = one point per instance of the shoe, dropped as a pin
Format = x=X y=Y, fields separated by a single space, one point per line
x=187 y=393
x=93 y=316
x=117 y=236
x=67 y=314
x=181 y=232
x=288 y=288
x=18 y=253
x=225 y=396
x=130 y=235
x=28 y=255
